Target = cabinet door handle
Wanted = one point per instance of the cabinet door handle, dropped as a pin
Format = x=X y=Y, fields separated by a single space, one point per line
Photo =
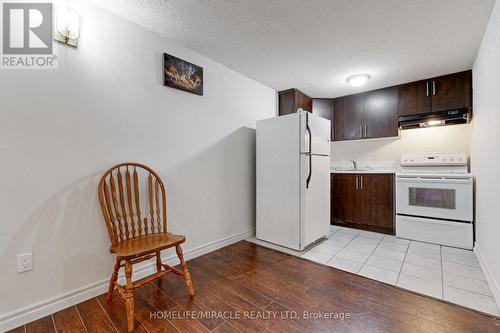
x=366 y=131
x=427 y=88
x=361 y=131
x=433 y=88
x=361 y=182
x=357 y=183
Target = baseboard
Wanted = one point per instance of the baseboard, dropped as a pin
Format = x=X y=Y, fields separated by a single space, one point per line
x=46 y=307
x=488 y=273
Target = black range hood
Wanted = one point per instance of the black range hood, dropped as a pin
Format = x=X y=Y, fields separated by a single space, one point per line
x=431 y=119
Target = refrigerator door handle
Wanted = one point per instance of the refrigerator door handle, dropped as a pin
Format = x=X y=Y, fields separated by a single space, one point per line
x=309 y=132
x=310 y=171
x=310 y=150
x=316 y=154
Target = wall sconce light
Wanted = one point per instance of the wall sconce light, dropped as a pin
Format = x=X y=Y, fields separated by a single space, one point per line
x=67 y=26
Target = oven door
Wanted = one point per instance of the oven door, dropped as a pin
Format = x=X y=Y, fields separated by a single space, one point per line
x=442 y=198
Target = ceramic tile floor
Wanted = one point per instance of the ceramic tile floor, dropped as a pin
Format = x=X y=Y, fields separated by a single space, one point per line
x=439 y=271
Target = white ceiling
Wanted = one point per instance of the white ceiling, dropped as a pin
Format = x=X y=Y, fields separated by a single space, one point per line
x=313 y=45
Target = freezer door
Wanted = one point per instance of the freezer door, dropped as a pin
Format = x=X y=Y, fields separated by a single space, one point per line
x=278 y=181
x=316 y=203
x=316 y=133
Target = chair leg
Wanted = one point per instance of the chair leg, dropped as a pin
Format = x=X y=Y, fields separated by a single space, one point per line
x=158 y=267
x=112 y=281
x=158 y=262
x=185 y=271
x=129 y=296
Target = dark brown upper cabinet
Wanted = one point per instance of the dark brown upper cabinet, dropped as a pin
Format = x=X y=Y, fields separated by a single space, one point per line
x=365 y=116
x=323 y=107
x=414 y=98
x=442 y=93
x=374 y=114
x=292 y=99
x=348 y=118
x=381 y=113
x=452 y=91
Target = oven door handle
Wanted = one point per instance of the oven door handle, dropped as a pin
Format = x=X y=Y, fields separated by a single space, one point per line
x=454 y=223
x=433 y=180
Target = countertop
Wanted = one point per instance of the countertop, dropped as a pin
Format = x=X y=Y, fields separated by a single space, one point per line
x=363 y=170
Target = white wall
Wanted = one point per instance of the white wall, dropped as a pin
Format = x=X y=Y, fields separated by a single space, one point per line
x=486 y=150
x=387 y=152
x=60 y=129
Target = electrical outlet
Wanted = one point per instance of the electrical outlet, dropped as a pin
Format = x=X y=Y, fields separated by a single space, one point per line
x=24 y=262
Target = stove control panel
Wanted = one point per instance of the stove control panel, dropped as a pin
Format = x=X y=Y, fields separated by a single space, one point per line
x=433 y=159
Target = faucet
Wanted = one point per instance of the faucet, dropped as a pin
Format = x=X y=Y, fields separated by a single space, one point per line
x=354 y=164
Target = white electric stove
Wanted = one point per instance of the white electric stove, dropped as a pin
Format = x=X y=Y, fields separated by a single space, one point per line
x=434 y=199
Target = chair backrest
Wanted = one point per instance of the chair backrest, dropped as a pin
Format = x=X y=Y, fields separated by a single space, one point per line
x=126 y=215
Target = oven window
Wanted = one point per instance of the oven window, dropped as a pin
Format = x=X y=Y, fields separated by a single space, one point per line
x=433 y=197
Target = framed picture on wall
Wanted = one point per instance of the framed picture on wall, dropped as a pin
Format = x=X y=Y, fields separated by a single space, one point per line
x=183 y=75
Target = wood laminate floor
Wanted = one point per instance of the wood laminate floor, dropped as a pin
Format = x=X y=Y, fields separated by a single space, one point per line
x=245 y=280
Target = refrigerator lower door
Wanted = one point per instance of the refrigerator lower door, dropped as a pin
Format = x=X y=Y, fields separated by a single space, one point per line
x=278 y=181
x=315 y=222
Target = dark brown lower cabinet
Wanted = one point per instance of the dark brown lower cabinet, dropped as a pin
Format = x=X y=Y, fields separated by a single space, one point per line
x=343 y=196
x=363 y=201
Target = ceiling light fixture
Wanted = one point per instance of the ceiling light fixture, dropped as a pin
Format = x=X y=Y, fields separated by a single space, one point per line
x=358 y=79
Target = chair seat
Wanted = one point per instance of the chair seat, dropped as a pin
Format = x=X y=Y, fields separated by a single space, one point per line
x=143 y=245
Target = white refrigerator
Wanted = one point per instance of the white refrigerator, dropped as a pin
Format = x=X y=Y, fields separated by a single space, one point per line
x=293 y=179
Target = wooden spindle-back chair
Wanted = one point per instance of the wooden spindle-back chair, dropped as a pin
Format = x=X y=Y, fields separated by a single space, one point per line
x=136 y=220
